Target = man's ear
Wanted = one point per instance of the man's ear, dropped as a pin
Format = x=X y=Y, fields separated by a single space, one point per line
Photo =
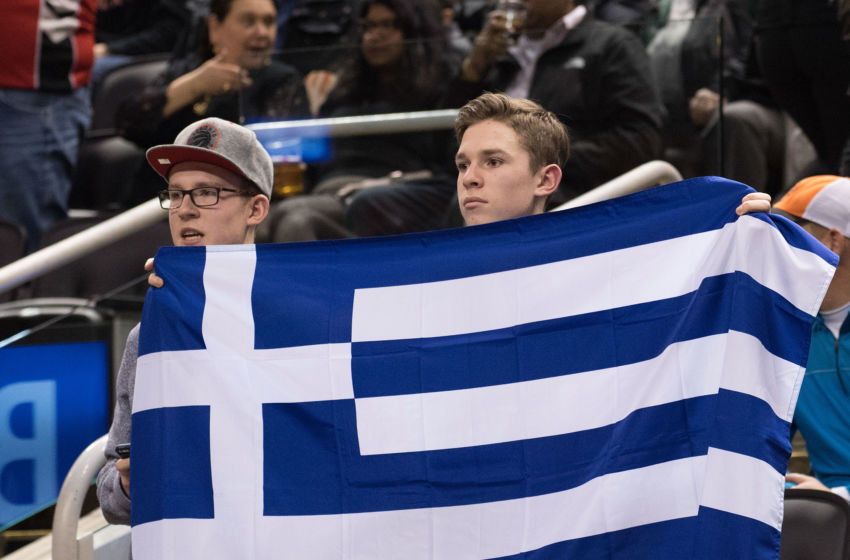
x=834 y=240
x=550 y=178
x=259 y=209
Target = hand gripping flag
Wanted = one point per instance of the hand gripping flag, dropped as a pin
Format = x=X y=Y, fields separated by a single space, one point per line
x=614 y=381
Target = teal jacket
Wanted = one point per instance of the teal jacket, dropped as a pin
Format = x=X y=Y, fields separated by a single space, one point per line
x=823 y=408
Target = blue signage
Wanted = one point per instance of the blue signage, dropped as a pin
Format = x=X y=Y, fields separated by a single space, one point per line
x=53 y=403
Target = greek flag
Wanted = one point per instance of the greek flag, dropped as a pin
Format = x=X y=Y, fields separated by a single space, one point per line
x=614 y=381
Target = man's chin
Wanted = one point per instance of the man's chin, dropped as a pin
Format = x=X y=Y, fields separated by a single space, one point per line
x=252 y=61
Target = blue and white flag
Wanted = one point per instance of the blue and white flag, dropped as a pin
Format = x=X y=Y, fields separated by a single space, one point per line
x=614 y=381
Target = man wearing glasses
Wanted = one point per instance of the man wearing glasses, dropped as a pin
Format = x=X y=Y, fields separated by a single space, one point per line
x=219 y=184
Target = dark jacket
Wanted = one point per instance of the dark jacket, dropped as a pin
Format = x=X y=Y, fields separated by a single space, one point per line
x=599 y=83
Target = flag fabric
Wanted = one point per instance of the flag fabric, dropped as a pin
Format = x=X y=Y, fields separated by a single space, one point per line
x=613 y=381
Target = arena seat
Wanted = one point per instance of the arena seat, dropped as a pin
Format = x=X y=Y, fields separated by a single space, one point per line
x=118 y=84
x=816 y=526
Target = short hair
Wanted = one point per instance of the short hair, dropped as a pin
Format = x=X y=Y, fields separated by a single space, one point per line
x=539 y=131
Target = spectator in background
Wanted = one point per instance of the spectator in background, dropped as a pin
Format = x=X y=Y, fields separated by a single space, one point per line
x=821 y=206
x=402 y=65
x=131 y=28
x=595 y=76
x=807 y=69
x=44 y=106
x=685 y=56
x=231 y=76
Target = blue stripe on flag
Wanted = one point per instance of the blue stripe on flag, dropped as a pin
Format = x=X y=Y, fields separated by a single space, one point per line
x=312 y=284
x=176 y=481
x=797 y=237
x=744 y=423
x=312 y=465
x=724 y=535
x=732 y=536
x=579 y=343
x=178 y=317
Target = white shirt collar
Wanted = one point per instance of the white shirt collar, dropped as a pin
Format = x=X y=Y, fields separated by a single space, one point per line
x=527 y=51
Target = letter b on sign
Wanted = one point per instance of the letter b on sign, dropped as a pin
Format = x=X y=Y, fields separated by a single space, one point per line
x=28 y=460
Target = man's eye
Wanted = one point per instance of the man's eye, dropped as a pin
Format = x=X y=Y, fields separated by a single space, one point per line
x=493 y=162
x=461 y=166
x=174 y=196
x=205 y=192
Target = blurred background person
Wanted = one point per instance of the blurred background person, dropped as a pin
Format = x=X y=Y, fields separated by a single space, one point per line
x=230 y=75
x=402 y=65
x=807 y=69
x=686 y=50
x=48 y=49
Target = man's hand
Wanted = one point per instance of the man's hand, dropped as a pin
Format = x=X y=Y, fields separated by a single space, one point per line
x=703 y=105
x=754 y=202
x=217 y=76
x=154 y=281
x=123 y=467
x=491 y=43
x=805 y=481
x=318 y=84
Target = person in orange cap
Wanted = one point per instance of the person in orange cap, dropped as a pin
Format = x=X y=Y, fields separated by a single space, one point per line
x=821 y=206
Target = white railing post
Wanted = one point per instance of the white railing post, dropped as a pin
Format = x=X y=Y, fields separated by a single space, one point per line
x=650 y=174
x=66 y=516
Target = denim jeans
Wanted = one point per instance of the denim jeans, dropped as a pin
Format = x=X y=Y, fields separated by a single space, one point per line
x=39 y=137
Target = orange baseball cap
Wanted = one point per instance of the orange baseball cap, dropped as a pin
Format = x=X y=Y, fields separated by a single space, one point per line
x=822 y=199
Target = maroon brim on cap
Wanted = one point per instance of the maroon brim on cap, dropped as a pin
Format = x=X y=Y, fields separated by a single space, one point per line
x=179 y=154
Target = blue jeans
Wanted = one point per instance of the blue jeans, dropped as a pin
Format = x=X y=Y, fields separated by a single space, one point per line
x=39 y=137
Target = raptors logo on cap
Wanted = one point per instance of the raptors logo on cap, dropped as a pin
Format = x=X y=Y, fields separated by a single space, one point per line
x=205 y=136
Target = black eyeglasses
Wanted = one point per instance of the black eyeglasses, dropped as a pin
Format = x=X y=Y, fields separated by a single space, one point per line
x=201 y=196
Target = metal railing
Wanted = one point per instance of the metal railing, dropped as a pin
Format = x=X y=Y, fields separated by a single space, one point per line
x=80 y=244
x=67 y=544
x=387 y=123
x=650 y=174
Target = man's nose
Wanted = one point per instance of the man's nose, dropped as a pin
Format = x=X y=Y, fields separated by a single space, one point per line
x=470 y=177
x=187 y=207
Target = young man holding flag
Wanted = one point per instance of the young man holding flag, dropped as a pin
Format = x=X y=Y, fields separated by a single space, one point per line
x=219 y=184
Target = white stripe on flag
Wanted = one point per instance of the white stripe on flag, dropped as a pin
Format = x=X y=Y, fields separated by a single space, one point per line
x=284 y=375
x=228 y=322
x=608 y=503
x=571 y=403
x=235 y=427
x=618 y=278
x=743 y=485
